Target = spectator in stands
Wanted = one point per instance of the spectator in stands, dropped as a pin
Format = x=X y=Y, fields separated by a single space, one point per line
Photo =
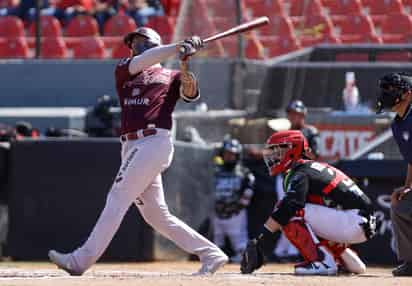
x=103 y=10
x=73 y=8
x=24 y=9
x=7 y=133
x=101 y=120
x=140 y=11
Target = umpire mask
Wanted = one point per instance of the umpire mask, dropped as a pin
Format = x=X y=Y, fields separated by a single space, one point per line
x=392 y=87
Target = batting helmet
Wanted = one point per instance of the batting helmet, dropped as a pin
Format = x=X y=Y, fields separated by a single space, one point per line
x=233 y=146
x=153 y=38
x=282 y=149
x=392 y=86
x=297 y=106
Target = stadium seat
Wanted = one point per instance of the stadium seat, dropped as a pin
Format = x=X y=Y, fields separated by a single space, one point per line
x=11 y=27
x=275 y=46
x=219 y=8
x=111 y=42
x=82 y=26
x=398 y=56
x=89 y=48
x=171 y=7
x=11 y=48
x=304 y=7
x=253 y=48
x=119 y=25
x=396 y=27
x=315 y=25
x=361 y=38
x=356 y=26
x=278 y=26
x=120 y=51
x=307 y=41
x=352 y=57
x=383 y=7
x=50 y=27
x=257 y=8
x=53 y=48
x=162 y=24
x=8 y=3
x=342 y=7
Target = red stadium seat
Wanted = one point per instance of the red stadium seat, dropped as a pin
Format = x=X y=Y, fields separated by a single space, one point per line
x=11 y=48
x=259 y=8
x=171 y=7
x=307 y=41
x=162 y=24
x=53 y=48
x=50 y=27
x=356 y=26
x=11 y=27
x=397 y=24
x=343 y=7
x=121 y=51
x=82 y=26
x=315 y=25
x=305 y=7
x=89 y=48
x=361 y=38
x=275 y=46
x=394 y=56
x=119 y=25
x=8 y=3
x=352 y=57
x=383 y=7
x=253 y=48
x=219 y=8
x=278 y=26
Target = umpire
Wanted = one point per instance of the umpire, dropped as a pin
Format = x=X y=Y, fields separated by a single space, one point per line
x=396 y=96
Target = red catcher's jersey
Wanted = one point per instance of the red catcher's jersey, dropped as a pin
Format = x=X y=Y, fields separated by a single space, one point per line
x=148 y=97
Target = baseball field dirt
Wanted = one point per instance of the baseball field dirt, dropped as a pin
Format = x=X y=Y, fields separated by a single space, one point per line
x=179 y=273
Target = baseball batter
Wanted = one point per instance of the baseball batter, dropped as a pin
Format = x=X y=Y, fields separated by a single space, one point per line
x=148 y=94
x=323 y=211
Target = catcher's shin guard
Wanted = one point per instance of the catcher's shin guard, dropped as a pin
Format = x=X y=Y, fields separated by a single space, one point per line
x=345 y=256
x=318 y=260
x=302 y=237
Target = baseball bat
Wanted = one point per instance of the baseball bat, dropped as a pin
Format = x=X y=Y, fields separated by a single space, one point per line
x=258 y=22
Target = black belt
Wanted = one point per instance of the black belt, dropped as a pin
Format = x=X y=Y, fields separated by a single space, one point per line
x=138 y=134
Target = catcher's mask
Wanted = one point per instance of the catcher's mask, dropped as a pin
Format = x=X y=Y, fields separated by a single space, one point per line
x=148 y=38
x=284 y=148
x=392 y=86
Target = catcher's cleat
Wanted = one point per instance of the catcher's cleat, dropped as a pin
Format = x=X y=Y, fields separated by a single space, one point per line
x=325 y=267
x=65 y=262
x=211 y=264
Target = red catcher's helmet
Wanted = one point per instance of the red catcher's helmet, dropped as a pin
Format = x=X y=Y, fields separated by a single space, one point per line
x=282 y=149
x=151 y=35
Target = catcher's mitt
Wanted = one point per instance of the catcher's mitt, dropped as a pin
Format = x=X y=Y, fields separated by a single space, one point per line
x=252 y=258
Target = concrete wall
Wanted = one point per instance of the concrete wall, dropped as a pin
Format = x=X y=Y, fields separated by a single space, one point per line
x=47 y=83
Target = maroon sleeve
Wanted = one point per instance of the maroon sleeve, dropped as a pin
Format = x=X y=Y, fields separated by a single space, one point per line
x=122 y=73
x=177 y=82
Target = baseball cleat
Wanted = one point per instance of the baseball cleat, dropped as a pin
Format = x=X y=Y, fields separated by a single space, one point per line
x=325 y=267
x=65 y=262
x=211 y=264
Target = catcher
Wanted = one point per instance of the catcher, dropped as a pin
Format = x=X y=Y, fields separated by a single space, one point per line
x=322 y=213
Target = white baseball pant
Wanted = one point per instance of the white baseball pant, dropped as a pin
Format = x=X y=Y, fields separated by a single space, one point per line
x=341 y=226
x=139 y=181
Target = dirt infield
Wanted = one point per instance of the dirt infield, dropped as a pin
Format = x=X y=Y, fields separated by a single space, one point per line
x=179 y=273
